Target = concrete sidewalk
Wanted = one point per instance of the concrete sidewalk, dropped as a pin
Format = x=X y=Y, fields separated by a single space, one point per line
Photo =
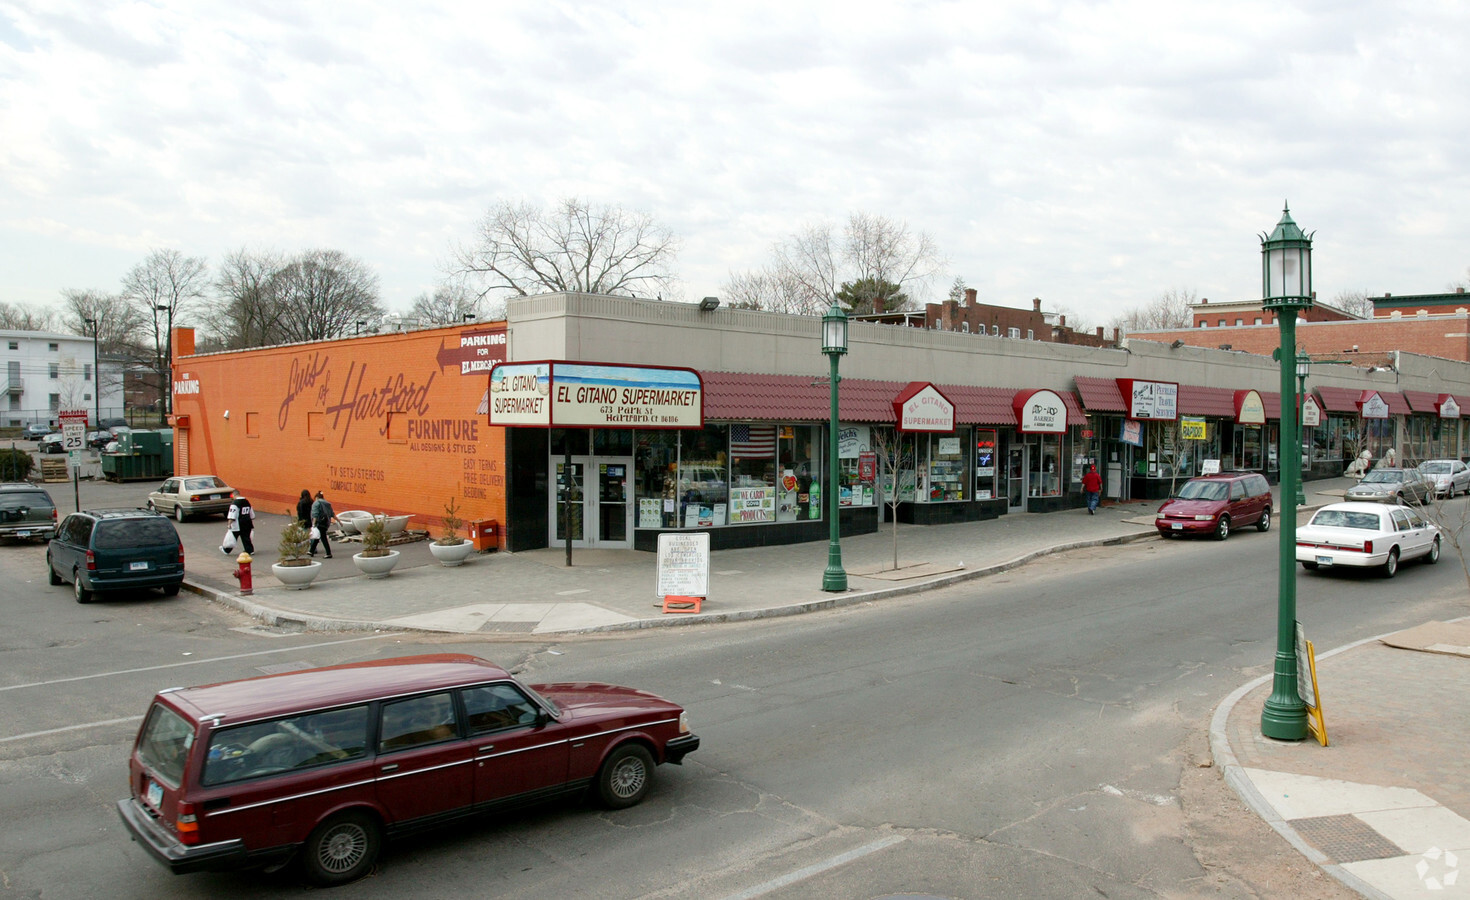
x=1386 y=809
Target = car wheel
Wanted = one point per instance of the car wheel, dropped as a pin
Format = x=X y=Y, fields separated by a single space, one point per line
x=625 y=777
x=1222 y=528
x=1309 y=566
x=82 y=594
x=1264 y=523
x=1433 y=556
x=178 y=512
x=51 y=572
x=341 y=849
x=1391 y=566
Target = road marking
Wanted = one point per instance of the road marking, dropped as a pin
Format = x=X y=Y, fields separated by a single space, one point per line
x=35 y=734
x=191 y=662
x=815 y=868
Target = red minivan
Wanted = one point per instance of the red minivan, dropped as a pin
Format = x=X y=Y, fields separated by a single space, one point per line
x=323 y=764
x=1215 y=504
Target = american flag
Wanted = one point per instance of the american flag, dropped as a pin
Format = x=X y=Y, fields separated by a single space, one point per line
x=752 y=440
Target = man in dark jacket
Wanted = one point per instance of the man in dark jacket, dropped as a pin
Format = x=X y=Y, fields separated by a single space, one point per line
x=242 y=521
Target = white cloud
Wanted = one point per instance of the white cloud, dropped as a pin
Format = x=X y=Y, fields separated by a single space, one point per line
x=1093 y=154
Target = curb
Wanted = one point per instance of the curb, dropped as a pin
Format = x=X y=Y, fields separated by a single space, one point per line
x=1234 y=775
x=268 y=615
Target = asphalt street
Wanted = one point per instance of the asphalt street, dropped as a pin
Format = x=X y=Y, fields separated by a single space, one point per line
x=1038 y=733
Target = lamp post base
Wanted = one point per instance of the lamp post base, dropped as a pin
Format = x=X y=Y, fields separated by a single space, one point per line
x=834 y=579
x=1284 y=716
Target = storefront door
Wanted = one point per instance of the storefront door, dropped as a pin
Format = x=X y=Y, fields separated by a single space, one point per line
x=1016 y=470
x=601 y=508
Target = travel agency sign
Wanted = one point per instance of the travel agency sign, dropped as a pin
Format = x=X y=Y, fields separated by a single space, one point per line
x=552 y=394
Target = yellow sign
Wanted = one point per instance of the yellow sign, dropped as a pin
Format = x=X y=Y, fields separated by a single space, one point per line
x=1192 y=429
x=1306 y=681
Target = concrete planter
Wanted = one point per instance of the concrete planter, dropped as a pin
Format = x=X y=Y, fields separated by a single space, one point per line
x=297 y=578
x=376 y=566
x=451 y=554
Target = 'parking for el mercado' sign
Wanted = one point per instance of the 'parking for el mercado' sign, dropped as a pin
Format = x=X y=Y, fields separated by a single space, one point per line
x=921 y=407
x=580 y=395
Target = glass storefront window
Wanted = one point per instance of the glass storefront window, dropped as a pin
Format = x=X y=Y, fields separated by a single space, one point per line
x=895 y=463
x=986 y=467
x=857 y=465
x=752 y=473
x=799 y=455
x=1045 y=476
x=704 y=477
x=946 y=467
x=655 y=486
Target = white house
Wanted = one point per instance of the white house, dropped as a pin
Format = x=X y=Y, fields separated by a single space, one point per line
x=45 y=372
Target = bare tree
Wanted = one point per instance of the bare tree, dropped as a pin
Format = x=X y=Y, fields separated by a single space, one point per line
x=772 y=288
x=321 y=294
x=20 y=317
x=1171 y=309
x=117 y=326
x=450 y=304
x=163 y=288
x=895 y=457
x=1356 y=302
x=813 y=264
x=1453 y=519
x=248 y=311
x=576 y=247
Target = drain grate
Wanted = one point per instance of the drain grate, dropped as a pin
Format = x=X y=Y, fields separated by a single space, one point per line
x=1345 y=838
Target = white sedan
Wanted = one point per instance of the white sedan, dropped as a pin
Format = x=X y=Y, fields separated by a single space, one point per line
x=1366 y=535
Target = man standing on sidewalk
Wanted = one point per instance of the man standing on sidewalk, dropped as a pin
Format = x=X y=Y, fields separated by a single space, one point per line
x=1092 y=485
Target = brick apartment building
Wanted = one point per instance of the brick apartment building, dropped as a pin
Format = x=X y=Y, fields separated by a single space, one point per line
x=970 y=317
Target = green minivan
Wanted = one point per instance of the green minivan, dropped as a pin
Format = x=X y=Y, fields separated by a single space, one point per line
x=115 y=549
x=26 y=512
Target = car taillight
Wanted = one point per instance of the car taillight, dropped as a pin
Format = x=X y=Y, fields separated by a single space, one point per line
x=53 y=514
x=194 y=498
x=187 y=824
x=91 y=561
x=1367 y=546
x=181 y=553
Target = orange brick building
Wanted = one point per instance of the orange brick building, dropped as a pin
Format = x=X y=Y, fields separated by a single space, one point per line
x=1364 y=342
x=393 y=423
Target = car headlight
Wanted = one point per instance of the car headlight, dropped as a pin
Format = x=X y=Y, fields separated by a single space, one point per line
x=683 y=723
x=1204 y=518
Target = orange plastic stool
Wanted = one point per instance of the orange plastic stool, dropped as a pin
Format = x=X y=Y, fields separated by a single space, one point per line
x=675 y=603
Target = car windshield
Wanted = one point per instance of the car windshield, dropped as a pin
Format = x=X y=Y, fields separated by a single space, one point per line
x=1204 y=490
x=1436 y=468
x=1383 y=476
x=150 y=531
x=1341 y=518
x=23 y=500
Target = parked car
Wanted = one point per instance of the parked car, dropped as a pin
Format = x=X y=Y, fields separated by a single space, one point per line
x=37 y=430
x=26 y=511
x=109 y=423
x=1366 y=535
x=1449 y=476
x=192 y=495
x=1214 y=504
x=99 y=439
x=1390 y=485
x=322 y=764
x=113 y=549
x=52 y=443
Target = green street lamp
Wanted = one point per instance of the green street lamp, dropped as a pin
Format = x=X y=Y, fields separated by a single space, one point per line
x=834 y=344
x=1286 y=271
x=1303 y=369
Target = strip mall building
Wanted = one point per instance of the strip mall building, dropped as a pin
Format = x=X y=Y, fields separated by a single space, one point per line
x=401 y=423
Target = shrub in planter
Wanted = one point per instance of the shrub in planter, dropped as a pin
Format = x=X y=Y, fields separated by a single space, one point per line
x=452 y=523
x=294 y=542
x=375 y=537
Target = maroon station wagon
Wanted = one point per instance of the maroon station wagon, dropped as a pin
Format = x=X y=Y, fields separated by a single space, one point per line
x=322 y=764
x=1215 y=505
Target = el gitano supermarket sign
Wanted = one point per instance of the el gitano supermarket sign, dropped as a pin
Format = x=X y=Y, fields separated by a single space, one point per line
x=551 y=394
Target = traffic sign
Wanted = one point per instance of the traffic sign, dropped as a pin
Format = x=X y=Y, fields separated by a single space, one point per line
x=73 y=435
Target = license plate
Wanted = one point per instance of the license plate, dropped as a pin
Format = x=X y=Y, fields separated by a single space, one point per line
x=1177 y=526
x=23 y=534
x=154 y=796
x=1324 y=560
x=138 y=567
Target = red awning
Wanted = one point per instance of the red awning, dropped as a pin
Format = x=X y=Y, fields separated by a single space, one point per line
x=1100 y=394
x=1206 y=401
x=1422 y=402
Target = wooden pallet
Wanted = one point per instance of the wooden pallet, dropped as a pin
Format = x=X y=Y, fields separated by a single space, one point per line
x=53 y=470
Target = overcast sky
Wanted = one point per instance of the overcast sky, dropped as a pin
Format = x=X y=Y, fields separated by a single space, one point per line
x=1092 y=154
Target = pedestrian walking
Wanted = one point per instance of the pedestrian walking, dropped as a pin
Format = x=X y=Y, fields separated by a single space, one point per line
x=1092 y=486
x=303 y=509
x=242 y=522
x=322 y=517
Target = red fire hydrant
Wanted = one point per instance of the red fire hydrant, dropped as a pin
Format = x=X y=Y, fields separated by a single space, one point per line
x=242 y=574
